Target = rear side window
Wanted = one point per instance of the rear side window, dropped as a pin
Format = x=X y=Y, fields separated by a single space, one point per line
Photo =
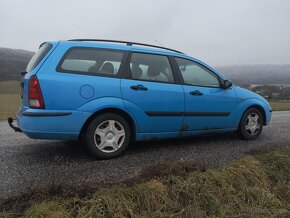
x=151 y=67
x=38 y=56
x=91 y=61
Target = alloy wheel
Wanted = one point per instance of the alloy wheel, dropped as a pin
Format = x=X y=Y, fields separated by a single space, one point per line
x=109 y=136
x=253 y=124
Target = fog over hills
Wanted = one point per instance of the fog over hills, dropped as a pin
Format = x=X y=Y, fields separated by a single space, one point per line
x=257 y=74
x=13 y=61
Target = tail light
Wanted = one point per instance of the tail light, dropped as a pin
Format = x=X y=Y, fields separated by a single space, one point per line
x=34 y=94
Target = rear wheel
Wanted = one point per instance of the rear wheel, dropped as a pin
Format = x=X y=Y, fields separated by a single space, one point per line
x=251 y=124
x=108 y=135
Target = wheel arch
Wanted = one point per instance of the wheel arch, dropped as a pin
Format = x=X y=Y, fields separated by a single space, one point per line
x=111 y=110
x=261 y=109
x=258 y=107
x=243 y=106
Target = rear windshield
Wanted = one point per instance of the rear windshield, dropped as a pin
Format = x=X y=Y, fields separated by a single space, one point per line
x=38 y=56
x=91 y=61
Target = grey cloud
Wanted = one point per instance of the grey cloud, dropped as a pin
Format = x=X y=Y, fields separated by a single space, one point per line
x=219 y=32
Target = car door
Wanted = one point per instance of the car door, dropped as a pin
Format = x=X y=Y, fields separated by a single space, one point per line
x=208 y=106
x=151 y=95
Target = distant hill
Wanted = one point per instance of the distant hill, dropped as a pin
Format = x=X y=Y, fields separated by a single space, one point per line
x=12 y=62
x=246 y=75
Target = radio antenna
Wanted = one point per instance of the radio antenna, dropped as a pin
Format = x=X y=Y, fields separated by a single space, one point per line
x=158 y=42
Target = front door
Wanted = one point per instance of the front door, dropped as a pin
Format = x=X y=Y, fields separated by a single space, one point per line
x=151 y=95
x=208 y=106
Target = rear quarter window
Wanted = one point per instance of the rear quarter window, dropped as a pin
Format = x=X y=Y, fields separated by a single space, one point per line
x=91 y=61
x=38 y=56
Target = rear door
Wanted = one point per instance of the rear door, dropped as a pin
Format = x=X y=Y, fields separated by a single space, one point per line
x=208 y=106
x=151 y=95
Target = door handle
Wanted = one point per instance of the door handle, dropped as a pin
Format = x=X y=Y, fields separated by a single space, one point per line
x=196 y=92
x=139 y=88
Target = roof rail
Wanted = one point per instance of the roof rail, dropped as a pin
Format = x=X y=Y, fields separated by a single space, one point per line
x=125 y=42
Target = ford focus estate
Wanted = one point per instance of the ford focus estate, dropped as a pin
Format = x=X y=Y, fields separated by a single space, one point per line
x=109 y=93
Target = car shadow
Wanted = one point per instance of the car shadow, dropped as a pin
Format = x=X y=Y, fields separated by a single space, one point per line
x=187 y=141
x=75 y=150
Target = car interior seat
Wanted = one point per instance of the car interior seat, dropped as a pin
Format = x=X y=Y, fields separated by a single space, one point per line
x=137 y=72
x=108 y=67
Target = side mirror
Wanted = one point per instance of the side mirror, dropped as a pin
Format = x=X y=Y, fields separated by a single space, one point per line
x=226 y=84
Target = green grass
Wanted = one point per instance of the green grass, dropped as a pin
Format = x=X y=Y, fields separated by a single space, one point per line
x=9 y=105
x=258 y=185
x=9 y=87
x=280 y=106
x=9 y=98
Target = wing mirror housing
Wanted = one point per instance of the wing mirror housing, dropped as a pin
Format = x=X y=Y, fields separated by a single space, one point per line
x=227 y=84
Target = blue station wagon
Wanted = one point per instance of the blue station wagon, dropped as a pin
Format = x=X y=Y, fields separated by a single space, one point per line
x=109 y=93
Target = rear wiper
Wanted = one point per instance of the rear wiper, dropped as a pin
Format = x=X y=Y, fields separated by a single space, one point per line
x=23 y=73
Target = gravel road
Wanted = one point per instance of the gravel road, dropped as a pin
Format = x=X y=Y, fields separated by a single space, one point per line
x=26 y=163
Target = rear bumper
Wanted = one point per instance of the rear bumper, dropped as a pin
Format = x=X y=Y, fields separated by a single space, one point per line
x=51 y=124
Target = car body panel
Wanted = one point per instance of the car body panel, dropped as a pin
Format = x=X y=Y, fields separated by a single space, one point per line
x=214 y=109
x=40 y=126
x=160 y=98
x=247 y=99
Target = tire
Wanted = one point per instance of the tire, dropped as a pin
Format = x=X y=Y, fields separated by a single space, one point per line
x=108 y=135
x=251 y=124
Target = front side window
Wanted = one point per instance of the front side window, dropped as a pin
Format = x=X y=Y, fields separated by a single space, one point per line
x=91 y=61
x=196 y=74
x=151 y=67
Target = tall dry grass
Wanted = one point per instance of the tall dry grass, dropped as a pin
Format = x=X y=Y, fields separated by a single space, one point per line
x=255 y=186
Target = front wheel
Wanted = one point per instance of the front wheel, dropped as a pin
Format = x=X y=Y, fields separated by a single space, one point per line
x=251 y=124
x=108 y=135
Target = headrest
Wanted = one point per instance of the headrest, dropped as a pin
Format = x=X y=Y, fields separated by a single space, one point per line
x=154 y=70
x=108 y=67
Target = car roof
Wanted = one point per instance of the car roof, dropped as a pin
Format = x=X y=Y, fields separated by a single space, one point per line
x=121 y=46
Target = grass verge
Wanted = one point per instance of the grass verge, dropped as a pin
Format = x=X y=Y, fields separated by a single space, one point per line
x=10 y=87
x=9 y=105
x=280 y=106
x=258 y=185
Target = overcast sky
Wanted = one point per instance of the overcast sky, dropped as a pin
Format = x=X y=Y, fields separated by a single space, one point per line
x=219 y=32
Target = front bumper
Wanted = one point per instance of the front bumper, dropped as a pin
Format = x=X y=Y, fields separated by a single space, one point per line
x=268 y=111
